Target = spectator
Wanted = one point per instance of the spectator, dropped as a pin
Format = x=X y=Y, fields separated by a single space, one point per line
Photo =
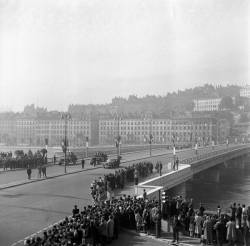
x=29 y=171
x=231 y=231
x=219 y=229
x=110 y=227
x=176 y=228
x=83 y=162
x=144 y=195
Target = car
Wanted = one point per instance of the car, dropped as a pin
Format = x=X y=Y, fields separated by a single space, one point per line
x=98 y=158
x=112 y=163
x=70 y=160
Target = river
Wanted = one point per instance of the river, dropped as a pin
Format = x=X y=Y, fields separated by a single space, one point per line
x=221 y=185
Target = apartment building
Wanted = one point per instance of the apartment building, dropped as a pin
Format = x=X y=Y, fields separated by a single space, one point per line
x=28 y=131
x=180 y=131
x=7 y=131
x=245 y=91
x=136 y=131
x=211 y=104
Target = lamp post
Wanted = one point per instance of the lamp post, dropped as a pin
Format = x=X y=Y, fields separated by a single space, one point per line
x=65 y=116
x=150 y=138
x=118 y=138
x=87 y=145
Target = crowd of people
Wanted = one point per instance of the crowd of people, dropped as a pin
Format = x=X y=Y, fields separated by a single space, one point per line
x=19 y=159
x=210 y=228
x=100 y=224
x=103 y=188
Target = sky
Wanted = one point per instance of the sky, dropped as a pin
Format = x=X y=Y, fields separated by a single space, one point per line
x=55 y=53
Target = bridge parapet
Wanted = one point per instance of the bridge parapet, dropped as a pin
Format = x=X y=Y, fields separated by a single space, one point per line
x=214 y=153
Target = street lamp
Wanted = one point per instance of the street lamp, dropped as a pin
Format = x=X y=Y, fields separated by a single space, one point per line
x=118 y=138
x=150 y=138
x=65 y=116
x=87 y=145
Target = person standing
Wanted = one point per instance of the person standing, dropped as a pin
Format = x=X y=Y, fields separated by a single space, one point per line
x=198 y=225
x=177 y=163
x=110 y=228
x=39 y=175
x=44 y=171
x=144 y=195
x=231 y=231
x=219 y=229
x=208 y=230
x=176 y=228
x=54 y=159
x=196 y=149
x=83 y=162
x=160 y=167
x=238 y=216
x=233 y=211
x=29 y=171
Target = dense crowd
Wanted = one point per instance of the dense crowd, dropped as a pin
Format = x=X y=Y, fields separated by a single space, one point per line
x=103 y=187
x=19 y=159
x=100 y=224
x=210 y=228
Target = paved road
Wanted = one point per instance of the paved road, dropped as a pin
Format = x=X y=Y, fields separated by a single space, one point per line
x=29 y=208
x=127 y=159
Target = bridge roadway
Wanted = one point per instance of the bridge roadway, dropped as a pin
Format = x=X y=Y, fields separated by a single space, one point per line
x=29 y=208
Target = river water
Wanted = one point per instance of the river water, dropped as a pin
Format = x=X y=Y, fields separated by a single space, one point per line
x=221 y=185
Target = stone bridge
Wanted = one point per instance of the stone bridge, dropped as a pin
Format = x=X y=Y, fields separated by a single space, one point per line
x=189 y=167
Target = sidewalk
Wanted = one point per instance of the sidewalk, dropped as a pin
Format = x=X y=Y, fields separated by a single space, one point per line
x=166 y=236
x=17 y=178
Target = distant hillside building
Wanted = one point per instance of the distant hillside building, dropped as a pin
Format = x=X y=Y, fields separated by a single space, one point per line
x=243 y=130
x=245 y=91
x=211 y=104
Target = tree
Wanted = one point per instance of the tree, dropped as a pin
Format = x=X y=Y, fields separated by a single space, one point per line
x=244 y=117
x=226 y=103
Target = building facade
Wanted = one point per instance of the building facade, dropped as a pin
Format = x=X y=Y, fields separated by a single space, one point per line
x=134 y=131
x=211 y=104
x=33 y=132
x=245 y=91
x=180 y=131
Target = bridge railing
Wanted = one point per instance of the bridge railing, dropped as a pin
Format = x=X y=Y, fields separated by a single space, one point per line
x=210 y=154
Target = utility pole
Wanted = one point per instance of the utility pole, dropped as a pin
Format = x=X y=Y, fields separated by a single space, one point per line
x=118 y=137
x=87 y=145
x=65 y=117
x=150 y=138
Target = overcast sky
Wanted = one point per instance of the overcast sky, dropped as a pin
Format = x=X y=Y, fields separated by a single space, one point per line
x=58 y=52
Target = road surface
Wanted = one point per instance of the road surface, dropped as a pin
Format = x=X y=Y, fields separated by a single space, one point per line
x=28 y=208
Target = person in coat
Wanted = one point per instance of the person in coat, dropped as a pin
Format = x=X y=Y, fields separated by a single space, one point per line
x=231 y=231
x=198 y=225
x=110 y=229
x=208 y=230
x=219 y=229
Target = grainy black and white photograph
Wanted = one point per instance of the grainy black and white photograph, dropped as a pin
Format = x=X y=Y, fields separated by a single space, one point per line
x=124 y=122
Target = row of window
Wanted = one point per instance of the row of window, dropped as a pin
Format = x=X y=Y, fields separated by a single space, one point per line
x=155 y=128
x=133 y=123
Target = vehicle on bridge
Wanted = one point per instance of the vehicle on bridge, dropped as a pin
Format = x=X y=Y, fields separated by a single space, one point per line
x=71 y=159
x=112 y=163
x=98 y=158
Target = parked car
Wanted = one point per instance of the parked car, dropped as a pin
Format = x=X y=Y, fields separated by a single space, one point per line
x=112 y=163
x=70 y=160
x=98 y=158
